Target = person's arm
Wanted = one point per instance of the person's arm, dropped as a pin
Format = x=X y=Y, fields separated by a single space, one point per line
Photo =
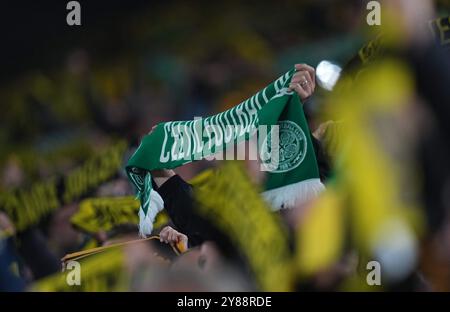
x=179 y=204
x=171 y=236
x=178 y=201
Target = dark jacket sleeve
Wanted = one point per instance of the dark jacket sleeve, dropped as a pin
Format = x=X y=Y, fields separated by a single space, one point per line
x=180 y=205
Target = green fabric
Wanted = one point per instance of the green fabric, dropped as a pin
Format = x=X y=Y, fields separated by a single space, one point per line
x=274 y=105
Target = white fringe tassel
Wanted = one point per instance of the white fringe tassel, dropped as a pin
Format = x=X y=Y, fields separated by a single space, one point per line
x=146 y=221
x=293 y=194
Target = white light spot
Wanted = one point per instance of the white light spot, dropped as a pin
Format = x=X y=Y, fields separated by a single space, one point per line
x=327 y=74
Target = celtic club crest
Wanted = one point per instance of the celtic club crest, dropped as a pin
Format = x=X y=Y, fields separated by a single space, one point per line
x=290 y=150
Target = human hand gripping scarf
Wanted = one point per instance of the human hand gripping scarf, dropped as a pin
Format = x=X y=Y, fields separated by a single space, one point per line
x=286 y=151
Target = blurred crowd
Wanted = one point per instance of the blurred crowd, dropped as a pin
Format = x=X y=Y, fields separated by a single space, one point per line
x=381 y=134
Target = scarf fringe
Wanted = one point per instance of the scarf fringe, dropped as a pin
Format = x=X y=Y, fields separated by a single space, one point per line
x=293 y=194
x=146 y=221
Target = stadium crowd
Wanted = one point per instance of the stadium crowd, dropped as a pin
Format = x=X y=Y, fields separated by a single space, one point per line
x=380 y=138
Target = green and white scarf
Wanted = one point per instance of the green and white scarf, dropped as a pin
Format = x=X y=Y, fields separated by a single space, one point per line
x=294 y=178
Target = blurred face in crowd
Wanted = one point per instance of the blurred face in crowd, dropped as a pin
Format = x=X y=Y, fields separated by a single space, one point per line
x=204 y=258
x=12 y=175
x=62 y=236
